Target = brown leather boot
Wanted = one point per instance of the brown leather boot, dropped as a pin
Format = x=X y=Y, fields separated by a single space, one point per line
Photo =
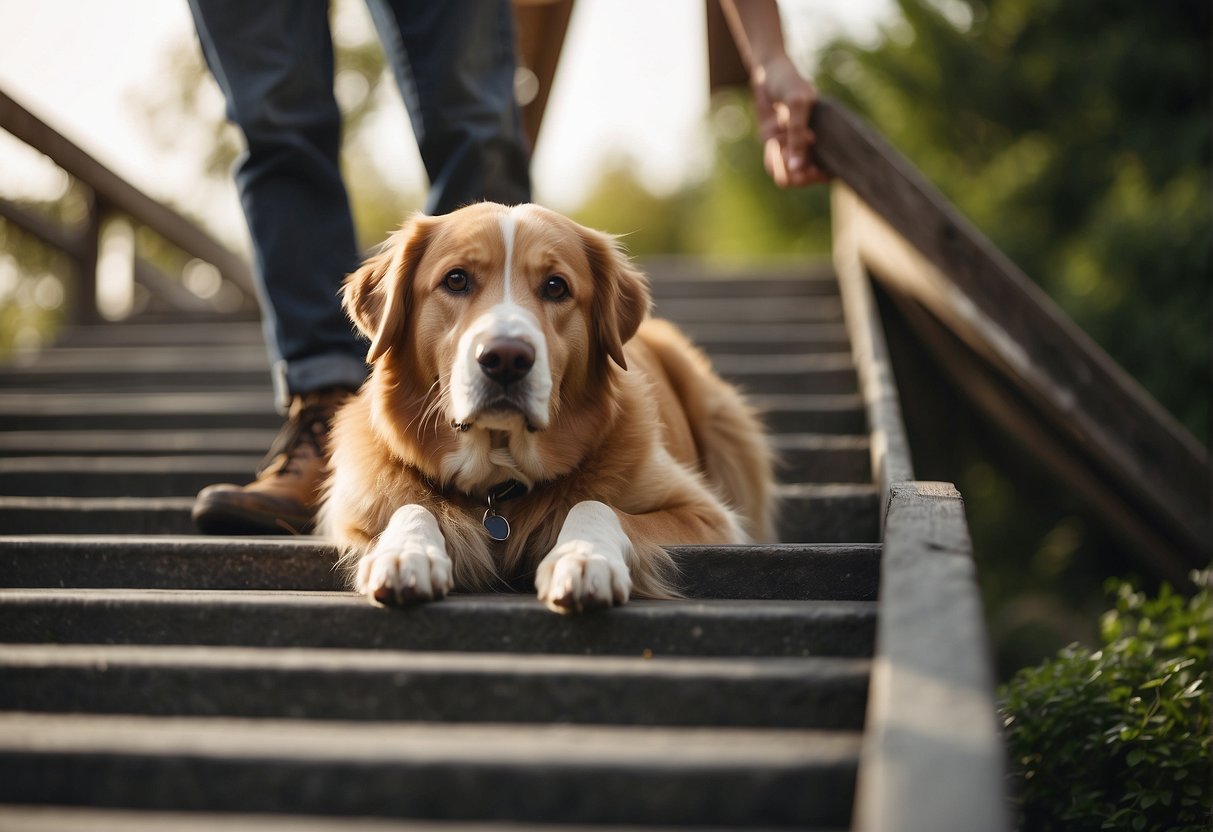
x=284 y=496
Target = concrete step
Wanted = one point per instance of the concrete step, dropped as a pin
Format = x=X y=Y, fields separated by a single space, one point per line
x=138 y=411
x=757 y=380
x=755 y=310
x=457 y=772
x=713 y=278
x=96 y=515
x=226 y=334
x=372 y=685
x=73 y=819
x=142 y=359
x=211 y=379
x=834 y=413
x=101 y=476
x=467 y=623
x=823 y=458
x=803 y=457
x=803 y=373
x=834 y=572
x=28 y=411
x=829 y=513
x=135 y=443
x=768 y=338
x=810 y=513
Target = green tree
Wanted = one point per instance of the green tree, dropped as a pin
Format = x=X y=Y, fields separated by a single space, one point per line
x=1076 y=134
x=735 y=212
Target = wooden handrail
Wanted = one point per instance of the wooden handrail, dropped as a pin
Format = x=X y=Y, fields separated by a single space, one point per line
x=932 y=755
x=890 y=449
x=108 y=192
x=920 y=247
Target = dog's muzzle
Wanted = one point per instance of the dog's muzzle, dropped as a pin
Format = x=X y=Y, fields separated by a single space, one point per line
x=505 y=360
x=501 y=372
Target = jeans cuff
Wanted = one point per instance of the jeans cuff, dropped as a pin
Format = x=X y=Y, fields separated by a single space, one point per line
x=316 y=373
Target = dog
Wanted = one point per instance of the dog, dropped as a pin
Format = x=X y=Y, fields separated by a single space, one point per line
x=524 y=416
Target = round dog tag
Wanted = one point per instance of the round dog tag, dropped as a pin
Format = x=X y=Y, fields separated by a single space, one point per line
x=496 y=525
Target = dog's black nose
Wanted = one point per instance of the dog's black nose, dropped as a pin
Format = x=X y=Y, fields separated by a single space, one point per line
x=505 y=360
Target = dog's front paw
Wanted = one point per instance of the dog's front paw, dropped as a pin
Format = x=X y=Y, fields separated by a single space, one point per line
x=587 y=569
x=574 y=578
x=408 y=564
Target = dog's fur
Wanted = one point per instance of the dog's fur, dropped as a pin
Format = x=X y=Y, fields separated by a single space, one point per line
x=625 y=437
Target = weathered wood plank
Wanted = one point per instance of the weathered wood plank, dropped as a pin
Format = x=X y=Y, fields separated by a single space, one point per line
x=120 y=195
x=891 y=461
x=916 y=242
x=932 y=756
x=1007 y=409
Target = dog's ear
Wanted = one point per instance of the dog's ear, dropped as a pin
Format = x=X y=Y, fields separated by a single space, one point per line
x=378 y=295
x=621 y=294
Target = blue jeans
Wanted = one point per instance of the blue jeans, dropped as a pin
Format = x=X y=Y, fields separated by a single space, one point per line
x=454 y=63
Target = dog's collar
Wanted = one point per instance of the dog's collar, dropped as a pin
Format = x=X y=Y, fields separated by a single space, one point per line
x=508 y=490
x=496 y=525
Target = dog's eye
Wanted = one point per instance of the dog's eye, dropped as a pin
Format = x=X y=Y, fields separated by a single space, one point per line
x=456 y=281
x=554 y=288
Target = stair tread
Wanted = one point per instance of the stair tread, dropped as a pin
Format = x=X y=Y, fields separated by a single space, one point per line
x=750 y=309
x=350 y=660
x=117 y=464
x=722 y=609
x=15 y=402
x=471 y=623
x=73 y=819
x=131 y=442
x=417 y=744
x=788 y=571
x=528 y=773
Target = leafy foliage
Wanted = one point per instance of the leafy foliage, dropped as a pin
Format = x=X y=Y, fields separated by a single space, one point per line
x=1076 y=134
x=1119 y=738
x=734 y=213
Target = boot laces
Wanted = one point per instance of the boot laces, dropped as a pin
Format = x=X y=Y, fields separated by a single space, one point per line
x=303 y=435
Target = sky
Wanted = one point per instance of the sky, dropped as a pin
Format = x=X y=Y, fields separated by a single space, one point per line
x=632 y=80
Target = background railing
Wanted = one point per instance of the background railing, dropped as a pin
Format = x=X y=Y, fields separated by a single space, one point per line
x=1016 y=355
x=108 y=195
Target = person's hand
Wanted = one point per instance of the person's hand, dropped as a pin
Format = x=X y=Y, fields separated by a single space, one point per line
x=784 y=99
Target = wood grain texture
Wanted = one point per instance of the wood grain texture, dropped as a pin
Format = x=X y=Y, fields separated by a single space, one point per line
x=932 y=756
x=891 y=460
x=115 y=193
x=911 y=239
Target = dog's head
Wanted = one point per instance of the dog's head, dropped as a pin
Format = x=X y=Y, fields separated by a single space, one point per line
x=502 y=314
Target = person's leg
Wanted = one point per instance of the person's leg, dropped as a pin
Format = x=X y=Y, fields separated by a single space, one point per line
x=273 y=59
x=454 y=62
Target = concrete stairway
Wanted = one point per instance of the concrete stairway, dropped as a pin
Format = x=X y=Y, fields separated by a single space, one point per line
x=150 y=678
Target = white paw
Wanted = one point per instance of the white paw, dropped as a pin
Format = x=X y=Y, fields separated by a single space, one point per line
x=409 y=563
x=586 y=570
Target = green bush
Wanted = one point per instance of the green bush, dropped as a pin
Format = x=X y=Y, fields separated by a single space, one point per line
x=1118 y=738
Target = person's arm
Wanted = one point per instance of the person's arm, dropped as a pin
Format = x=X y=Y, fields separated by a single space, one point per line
x=782 y=96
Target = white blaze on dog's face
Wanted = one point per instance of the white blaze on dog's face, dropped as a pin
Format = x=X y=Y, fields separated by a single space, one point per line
x=501 y=370
x=509 y=311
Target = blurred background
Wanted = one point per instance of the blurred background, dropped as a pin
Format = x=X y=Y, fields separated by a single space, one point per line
x=1074 y=133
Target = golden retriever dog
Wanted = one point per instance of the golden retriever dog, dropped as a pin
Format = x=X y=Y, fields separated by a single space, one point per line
x=525 y=417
